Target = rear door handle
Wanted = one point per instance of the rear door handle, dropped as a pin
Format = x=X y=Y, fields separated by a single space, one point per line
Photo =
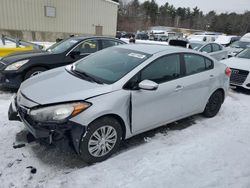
x=211 y=76
x=178 y=88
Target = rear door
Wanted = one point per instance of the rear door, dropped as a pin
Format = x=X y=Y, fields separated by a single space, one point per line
x=197 y=83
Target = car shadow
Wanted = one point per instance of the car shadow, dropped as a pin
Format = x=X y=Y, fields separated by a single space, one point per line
x=67 y=158
x=142 y=138
x=241 y=90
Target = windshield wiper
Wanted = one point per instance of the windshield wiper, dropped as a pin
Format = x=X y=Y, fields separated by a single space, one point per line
x=85 y=75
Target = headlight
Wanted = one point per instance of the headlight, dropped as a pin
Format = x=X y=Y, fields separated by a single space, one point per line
x=58 y=112
x=16 y=65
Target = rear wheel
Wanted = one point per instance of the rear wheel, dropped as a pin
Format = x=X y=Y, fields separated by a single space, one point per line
x=34 y=71
x=214 y=103
x=101 y=140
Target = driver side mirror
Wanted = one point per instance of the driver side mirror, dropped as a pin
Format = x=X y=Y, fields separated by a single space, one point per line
x=148 y=85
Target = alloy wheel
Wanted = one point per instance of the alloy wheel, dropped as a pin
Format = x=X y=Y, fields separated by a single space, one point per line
x=102 y=141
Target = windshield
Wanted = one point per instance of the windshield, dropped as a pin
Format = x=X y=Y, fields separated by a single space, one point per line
x=196 y=46
x=110 y=65
x=244 y=54
x=63 y=45
x=240 y=44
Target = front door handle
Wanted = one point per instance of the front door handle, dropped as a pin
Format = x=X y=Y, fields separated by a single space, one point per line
x=178 y=88
x=211 y=76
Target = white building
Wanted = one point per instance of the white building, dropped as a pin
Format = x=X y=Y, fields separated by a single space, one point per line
x=45 y=19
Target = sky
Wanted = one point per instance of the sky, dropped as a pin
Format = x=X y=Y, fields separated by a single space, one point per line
x=239 y=6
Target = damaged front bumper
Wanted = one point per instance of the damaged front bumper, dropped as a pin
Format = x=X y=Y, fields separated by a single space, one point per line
x=52 y=133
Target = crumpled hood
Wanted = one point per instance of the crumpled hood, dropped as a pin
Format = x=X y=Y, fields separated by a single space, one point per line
x=58 y=85
x=237 y=63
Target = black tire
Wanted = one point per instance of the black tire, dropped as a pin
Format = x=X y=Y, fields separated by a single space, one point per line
x=213 y=105
x=32 y=71
x=92 y=128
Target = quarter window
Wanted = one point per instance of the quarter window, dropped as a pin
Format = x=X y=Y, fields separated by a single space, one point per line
x=163 y=69
x=196 y=63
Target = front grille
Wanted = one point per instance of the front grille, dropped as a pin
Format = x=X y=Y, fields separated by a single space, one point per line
x=238 y=76
x=2 y=65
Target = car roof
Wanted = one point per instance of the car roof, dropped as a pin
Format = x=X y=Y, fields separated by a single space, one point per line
x=153 y=48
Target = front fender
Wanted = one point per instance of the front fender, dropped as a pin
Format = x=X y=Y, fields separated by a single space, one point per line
x=117 y=103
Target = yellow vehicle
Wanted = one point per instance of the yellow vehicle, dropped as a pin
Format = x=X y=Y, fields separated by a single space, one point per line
x=10 y=45
x=4 y=51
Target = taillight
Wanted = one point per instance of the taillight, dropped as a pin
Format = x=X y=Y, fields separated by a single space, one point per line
x=228 y=71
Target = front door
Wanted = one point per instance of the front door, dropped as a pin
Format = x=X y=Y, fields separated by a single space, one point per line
x=154 y=108
x=83 y=49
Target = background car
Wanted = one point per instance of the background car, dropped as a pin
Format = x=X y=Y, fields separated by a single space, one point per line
x=217 y=51
x=246 y=37
x=162 y=37
x=142 y=36
x=237 y=47
x=15 y=69
x=240 y=66
x=226 y=40
x=202 y=38
x=101 y=99
x=9 y=45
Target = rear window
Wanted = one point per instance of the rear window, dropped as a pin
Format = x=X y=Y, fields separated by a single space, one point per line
x=196 y=63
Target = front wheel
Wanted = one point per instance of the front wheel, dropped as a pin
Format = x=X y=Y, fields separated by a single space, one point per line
x=213 y=105
x=101 y=140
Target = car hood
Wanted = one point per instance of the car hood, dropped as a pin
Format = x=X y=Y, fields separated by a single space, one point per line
x=237 y=63
x=24 y=55
x=58 y=85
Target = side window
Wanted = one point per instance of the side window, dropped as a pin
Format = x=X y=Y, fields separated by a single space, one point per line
x=87 y=47
x=163 y=69
x=196 y=63
x=216 y=47
x=109 y=43
x=207 y=48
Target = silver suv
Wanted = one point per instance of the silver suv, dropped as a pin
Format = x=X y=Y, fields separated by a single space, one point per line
x=117 y=93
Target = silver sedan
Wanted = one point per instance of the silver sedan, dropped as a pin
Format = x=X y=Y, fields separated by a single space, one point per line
x=117 y=93
x=215 y=50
